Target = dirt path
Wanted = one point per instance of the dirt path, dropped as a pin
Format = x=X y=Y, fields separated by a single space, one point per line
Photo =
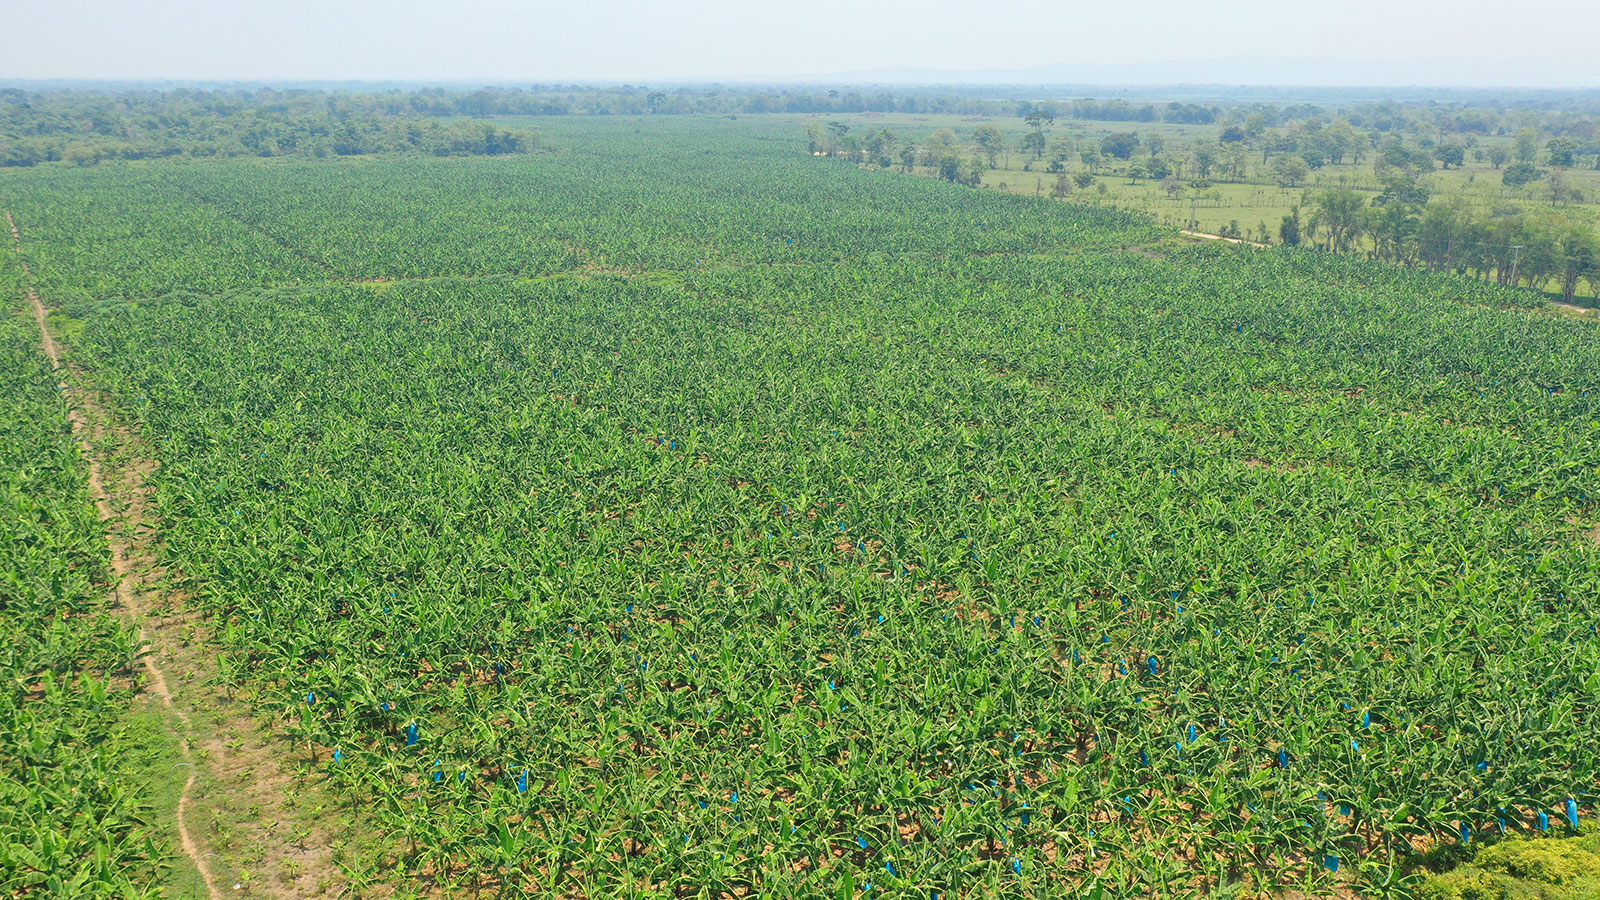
x=1573 y=307
x=241 y=818
x=1218 y=237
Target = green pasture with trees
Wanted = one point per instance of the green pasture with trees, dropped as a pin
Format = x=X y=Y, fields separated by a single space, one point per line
x=1512 y=197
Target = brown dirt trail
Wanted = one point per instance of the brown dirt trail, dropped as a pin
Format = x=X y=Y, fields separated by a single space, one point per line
x=235 y=819
x=1218 y=237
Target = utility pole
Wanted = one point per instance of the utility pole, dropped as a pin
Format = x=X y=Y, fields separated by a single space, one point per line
x=1193 y=201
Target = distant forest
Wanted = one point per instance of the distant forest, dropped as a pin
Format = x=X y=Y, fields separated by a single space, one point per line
x=88 y=127
x=85 y=126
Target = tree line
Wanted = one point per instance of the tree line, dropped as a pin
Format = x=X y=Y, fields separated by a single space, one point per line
x=86 y=125
x=85 y=129
x=1402 y=224
x=268 y=137
x=1506 y=245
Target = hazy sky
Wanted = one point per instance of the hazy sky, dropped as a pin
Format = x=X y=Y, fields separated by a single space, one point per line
x=1525 y=42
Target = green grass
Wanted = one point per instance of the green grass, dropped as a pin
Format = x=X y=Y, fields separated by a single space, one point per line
x=1523 y=869
x=155 y=763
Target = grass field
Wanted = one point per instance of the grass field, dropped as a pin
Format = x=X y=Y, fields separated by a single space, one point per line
x=1249 y=203
x=679 y=515
x=1479 y=180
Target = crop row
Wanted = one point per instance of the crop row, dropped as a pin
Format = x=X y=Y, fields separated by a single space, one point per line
x=71 y=817
x=621 y=201
x=973 y=575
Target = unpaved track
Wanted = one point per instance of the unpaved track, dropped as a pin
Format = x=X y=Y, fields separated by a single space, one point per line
x=238 y=787
x=1218 y=237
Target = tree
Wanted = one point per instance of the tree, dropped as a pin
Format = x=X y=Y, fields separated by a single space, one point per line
x=1498 y=154
x=1235 y=158
x=1157 y=167
x=1339 y=140
x=1173 y=186
x=1060 y=148
x=1290 y=169
x=1396 y=158
x=1034 y=141
x=1205 y=158
x=1579 y=257
x=1340 y=211
x=1541 y=258
x=1562 y=191
x=1527 y=144
x=990 y=141
x=1289 y=231
x=949 y=167
x=655 y=101
x=1393 y=229
x=1272 y=141
x=816 y=137
x=974 y=172
x=1509 y=233
x=82 y=155
x=1036 y=118
x=880 y=147
x=1593 y=274
x=1154 y=144
x=1449 y=155
x=1062 y=188
x=1520 y=173
x=1402 y=189
x=941 y=143
x=1090 y=157
x=1563 y=152
x=837 y=131
x=1083 y=180
x=1120 y=145
x=1446 y=229
x=18 y=153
